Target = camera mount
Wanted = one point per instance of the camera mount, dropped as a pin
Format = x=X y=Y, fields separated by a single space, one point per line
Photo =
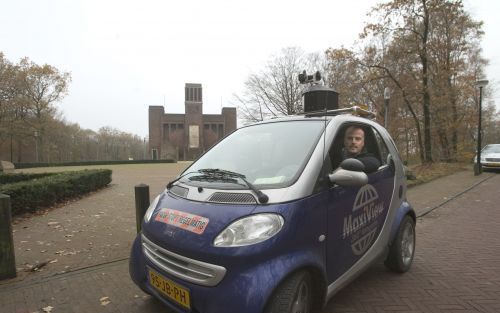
x=312 y=79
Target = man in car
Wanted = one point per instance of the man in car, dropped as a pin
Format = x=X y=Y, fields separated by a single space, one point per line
x=354 y=147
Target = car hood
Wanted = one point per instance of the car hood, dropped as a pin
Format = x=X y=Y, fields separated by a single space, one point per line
x=183 y=226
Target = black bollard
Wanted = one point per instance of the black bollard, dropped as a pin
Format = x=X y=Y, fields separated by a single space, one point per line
x=7 y=259
x=141 y=203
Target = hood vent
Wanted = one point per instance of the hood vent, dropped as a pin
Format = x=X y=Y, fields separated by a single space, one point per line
x=225 y=197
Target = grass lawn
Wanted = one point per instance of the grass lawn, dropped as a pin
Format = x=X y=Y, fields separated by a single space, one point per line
x=428 y=172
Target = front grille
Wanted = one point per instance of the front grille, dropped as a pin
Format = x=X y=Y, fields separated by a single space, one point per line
x=493 y=159
x=179 y=191
x=225 y=197
x=193 y=271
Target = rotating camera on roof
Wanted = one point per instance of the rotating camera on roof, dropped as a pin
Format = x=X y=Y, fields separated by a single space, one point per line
x=316 y=97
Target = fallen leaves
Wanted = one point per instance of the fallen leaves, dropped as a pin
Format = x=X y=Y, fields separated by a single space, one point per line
x=105 y=301
x=47 y=309
x=64 y=252
x=38 y=266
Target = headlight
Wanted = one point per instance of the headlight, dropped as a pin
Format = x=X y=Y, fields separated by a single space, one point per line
x=250 y=230
x=151 y=209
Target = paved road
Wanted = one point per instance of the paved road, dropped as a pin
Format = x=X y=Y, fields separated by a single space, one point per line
x=456 y=269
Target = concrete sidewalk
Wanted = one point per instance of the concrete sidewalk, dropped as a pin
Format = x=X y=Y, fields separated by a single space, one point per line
x=102 y=284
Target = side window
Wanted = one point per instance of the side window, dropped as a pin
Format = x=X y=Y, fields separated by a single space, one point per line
x=382 y=147
x=336 y=149
x=371 y=144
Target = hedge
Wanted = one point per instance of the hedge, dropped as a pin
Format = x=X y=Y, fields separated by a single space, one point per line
x=32 y=195
x=17 y=177
x=84 y=163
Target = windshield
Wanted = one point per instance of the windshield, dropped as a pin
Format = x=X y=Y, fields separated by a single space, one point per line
x=269 y=155
x=491 y=149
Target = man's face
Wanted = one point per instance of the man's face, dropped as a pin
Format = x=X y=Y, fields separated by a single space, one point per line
x=354 y=141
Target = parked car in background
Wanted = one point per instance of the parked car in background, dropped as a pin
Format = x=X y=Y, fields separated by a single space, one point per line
x=490 y=157
x=272 y=219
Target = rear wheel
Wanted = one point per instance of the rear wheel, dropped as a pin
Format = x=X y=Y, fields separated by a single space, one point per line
x=294 y=295
x=403 y=248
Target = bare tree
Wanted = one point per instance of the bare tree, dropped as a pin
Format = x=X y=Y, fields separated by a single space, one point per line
x=276 y=91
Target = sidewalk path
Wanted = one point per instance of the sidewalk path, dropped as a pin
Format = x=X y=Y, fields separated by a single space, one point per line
x=455 y=270
x=427 y=196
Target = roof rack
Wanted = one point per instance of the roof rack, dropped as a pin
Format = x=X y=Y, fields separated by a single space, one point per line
x=355 y=110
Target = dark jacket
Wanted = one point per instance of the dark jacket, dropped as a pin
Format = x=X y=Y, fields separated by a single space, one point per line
x=368 y=159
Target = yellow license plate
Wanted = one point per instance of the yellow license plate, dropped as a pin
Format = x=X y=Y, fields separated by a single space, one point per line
x=170 y=289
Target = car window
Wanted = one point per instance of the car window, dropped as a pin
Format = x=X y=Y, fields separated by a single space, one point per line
x=382 y=147
x=491 y=149
x=270 y=155
x=336 y=149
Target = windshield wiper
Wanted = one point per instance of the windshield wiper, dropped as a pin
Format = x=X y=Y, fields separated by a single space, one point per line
x=262 y=197
x=171 y=183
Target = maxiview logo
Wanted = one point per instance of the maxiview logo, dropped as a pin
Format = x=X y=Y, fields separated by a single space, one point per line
x=360 y=227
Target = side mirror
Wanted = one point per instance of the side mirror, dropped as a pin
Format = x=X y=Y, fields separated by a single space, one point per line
x=391 y=163
x=352 y=165
x=350 y=174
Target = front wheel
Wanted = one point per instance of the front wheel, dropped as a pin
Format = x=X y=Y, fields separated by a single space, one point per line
x=294 y=295
x=403 y=248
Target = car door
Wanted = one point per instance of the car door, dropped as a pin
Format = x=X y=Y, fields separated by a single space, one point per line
x=356 y=214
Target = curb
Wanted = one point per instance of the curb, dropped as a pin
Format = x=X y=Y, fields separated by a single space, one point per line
x=22 y=283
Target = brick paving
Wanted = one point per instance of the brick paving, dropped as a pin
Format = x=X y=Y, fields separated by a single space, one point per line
x=456 y=268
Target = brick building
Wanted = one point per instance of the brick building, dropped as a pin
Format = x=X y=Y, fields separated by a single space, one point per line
x=186 y=136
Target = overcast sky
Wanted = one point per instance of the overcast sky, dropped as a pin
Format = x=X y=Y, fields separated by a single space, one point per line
x=126 y=55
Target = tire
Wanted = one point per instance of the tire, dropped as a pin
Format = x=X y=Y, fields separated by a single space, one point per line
x=294 y=295
x=402 y=249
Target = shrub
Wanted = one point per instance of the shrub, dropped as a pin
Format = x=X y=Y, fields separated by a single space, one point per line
x=17 y=177
x=32 y=195
x=84 y=163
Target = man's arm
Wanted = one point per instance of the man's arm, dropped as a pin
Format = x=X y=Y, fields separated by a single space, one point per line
x=370 y=161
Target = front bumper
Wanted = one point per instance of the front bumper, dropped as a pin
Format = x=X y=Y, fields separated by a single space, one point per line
x=490 y=164
x=244 y=289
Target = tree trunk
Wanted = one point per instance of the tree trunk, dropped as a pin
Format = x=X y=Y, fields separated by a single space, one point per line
x=445 y=146
x=454 y=128
x=419 y=132
x=425 y=87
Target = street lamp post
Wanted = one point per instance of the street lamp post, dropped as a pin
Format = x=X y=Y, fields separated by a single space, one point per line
x=387 y=97
x=481 y=84
x=36 y=145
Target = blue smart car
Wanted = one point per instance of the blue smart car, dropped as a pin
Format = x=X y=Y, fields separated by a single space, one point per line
x=275 y=218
